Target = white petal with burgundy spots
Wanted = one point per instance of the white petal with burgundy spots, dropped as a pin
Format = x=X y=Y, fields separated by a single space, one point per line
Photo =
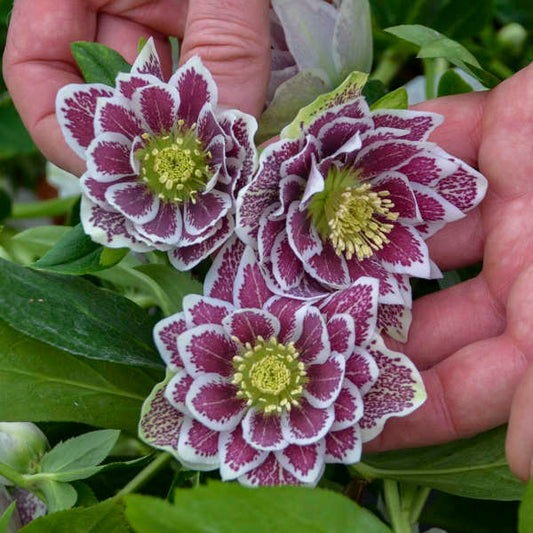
x=213 y=401
x=341 y=331
x=304 y=462
x=361 y=369
x=269 y=473
x=306 y=424
x=204 y=310
x=147 y=62
x=108 y=157
x=250 y=289
x=325 y=381
x=165 y=227
x=198 y=445
x=176 y=391
x=166 y=334
x=348 y=407
x=311 y=336
x=263 y=431
x=207 y=349
x=207 y=210
x=249 y=324
x=236 y=456
x=114 y=115
x=134 y=200
x=344 y=446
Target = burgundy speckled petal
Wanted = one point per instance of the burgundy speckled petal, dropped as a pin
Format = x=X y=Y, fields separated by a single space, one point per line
x=311 y=336
x=348 y=407
x=177 y=389
x=75 y=107
x=248 y=324
x=207 y=211
x=268 y=474
x=236 y=456
x=250 y=289
x=398 y=391
x=400 y=194
x=433 y=207
x=207 y=349
x=187 y=257
x=147 y=61
x=305 y=424
x=134 y=200
x=205 y=310
x=108 y=157
x=158 y=107
x=291 y=189
x=303 y=237
x=361 y=370
x=263 y=432
x=418 y=124
x=263 y=191
x=213 y=402
x=196 y=87
x=166 y=333
x=394 y=320
x=268 y=232
x=220 y=279
x=165 y=226
x=299 y=163
x=160 y=423
x=285 y=310
x=341 y=331
x=356 y=108
x=198 y=445
x=325 y=381
x=95 y=190
x=127 y=83
x=286 y=266
x=360 y=302
x=304 y=462
x=465 y=188
x=108 y=227
x=328 y=268
x=113 y=115
x=29 y=507
x=343 y=446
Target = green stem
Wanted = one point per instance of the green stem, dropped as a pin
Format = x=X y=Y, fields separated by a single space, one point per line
x=15 y=477
x=398 y=517
x=429 y=71
x=390 y=64
x=45 y=208
x=418 y=504
x=145 y=474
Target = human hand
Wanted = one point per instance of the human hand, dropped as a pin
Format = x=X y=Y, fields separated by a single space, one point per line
x=473 y=342
x=231 y=37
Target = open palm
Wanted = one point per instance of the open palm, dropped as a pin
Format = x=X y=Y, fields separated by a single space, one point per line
x=474 y=341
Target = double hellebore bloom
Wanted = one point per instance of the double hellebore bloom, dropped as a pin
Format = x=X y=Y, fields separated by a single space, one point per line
x=163 y=164
x=348 y=192
x=269 y=389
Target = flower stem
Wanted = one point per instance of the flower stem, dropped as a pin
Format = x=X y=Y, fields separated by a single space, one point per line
x=390 y=64
x=418 y=504
x=399 y=518
x=45 y=208
x=145 y=474
x=13 y=476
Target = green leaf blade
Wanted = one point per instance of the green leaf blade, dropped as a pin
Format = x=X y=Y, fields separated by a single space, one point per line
x=98 y=63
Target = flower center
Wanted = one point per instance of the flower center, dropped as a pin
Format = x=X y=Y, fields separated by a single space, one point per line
x=351 y=215
x=269 y=375
x=174 y=165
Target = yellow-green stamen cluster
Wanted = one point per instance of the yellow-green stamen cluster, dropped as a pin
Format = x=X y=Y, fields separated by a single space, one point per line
x=174 y=165
x=269 y=375
x=351 y=215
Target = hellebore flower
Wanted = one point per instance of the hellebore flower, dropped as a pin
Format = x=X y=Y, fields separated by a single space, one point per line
x=348 y=192
x=163 y=164
x=269 y=389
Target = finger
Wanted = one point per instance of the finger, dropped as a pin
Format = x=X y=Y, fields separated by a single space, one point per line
x=460 y=134
x=37 y=63
x=519 y=445
x=445 y=321
x=472 y=390
x=507 y=132
x=233 y=39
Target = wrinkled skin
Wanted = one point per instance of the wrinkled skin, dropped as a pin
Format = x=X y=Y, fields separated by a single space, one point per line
x=231 y=36
x=472 y=341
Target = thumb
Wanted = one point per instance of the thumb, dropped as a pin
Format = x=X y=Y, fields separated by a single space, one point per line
x=233 y=39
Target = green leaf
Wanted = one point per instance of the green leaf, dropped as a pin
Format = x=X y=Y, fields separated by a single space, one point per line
x=106 y=517
x=14 y=139
x=394 y=100
x=231 y=508
x=31 y=244
x=451 y=83
x=76 y=254
x=525 y=513
x=74 y=315
x=350 y=88
x=475 y=468
x=98 y=63
x=461 y=19
x=58 y=496
x=290 y=97
x=6 y=517
x=373 y=91
x=39 y=383
x=434 y=44
x=79 y=452
x=45 y=208
x=163 y=285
